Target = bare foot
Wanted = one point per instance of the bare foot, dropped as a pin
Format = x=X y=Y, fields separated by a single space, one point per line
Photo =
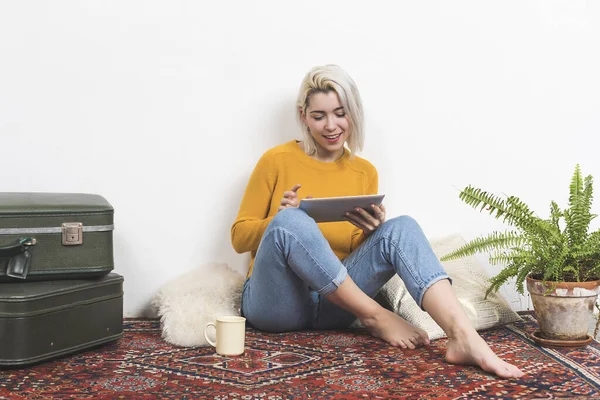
x=471 y=349
x=394 y=330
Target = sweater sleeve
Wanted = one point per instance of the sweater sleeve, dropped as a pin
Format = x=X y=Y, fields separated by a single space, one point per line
x=252 y=219
x=372 y=187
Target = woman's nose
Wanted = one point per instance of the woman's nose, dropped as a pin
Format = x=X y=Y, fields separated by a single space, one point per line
x=330 y=126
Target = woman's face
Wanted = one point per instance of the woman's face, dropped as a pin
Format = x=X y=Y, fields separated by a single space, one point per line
x=328 y=123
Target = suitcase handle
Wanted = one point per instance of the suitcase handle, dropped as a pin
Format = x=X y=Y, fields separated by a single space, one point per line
x=19 y=257
x=16 y=248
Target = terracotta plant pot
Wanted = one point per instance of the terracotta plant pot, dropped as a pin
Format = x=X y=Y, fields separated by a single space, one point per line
x=563 y=309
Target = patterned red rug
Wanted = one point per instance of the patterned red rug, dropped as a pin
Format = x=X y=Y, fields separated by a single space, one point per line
x=333 y=364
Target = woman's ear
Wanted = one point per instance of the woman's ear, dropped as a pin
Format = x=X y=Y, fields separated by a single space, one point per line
x=302 y=115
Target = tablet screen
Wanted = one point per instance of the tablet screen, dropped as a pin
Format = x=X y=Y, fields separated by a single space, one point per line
x=331 y=209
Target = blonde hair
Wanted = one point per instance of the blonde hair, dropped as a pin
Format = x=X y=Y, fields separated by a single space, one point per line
x=325 y=79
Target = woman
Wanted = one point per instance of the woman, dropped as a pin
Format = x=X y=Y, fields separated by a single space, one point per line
x=305 y=275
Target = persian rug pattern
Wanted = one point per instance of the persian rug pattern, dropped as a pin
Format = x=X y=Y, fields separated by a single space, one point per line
x=314 y=364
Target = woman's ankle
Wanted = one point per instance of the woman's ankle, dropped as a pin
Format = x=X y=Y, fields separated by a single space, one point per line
x=374 y=318
x=460 y=332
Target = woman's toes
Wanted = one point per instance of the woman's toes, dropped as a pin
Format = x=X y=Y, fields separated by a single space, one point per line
x=415 y=340
x=424 y=337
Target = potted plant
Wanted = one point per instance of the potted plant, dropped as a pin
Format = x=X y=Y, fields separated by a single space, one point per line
x=558 y=257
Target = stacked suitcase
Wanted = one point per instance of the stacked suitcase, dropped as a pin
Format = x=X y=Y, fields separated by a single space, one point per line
x=57 y=292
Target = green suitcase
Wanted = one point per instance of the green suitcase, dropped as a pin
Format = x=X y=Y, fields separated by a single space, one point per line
x=46 y=236
x=44 y=320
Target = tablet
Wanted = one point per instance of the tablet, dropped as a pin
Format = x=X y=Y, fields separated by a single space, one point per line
x=331 y=209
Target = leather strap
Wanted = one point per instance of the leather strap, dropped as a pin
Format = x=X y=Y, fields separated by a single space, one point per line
x=19 y=257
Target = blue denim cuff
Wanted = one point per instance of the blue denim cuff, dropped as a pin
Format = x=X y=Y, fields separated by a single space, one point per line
x=333 y=285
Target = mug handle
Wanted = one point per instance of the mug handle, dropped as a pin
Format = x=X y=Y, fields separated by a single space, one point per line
x=213 y=344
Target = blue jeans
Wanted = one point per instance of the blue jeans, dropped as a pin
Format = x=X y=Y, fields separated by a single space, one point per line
x=295 y=269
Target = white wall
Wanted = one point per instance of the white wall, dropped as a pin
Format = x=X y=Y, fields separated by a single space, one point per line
x=164 y=108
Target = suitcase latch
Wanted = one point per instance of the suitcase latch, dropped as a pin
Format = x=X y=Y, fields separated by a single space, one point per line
x=72 y=233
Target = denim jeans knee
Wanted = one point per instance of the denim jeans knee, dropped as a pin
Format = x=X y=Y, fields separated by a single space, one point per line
x=293 y=260
x=401 y=224
x=291 y=219
x=399 y=245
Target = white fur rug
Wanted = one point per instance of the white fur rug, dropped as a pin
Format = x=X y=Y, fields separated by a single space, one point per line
x=187 y=303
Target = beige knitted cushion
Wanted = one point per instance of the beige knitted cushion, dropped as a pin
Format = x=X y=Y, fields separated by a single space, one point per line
x=469 y=282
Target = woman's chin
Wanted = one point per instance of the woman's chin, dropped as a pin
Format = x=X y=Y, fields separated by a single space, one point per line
x=333 y=146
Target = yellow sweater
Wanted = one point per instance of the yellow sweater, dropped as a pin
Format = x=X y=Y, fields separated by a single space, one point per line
x=278 y=170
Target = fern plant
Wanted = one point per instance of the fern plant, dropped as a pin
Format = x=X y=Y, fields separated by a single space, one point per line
x=556 y=249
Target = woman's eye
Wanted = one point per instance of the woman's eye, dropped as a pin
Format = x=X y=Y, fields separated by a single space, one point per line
x=318 y=118
x=341 y=115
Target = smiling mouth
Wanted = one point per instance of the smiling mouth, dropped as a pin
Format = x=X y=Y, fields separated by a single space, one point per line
x=332 y=137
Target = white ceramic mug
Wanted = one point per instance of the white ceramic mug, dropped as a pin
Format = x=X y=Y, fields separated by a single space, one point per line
x=231 y=335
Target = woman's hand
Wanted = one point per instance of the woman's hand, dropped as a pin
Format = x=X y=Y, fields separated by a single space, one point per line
x=290 y=198
x=365 y=221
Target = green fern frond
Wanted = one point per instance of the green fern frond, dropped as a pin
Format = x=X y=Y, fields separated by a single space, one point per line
x=521 y=216
x=571 y=269
x=585 y=205
x=474 y=197
x=592 y=273
x=496 y=240
x=543 y=230
x=524 y=271
x=578 y=215
x=588 y=251
x=593 y=240
x=501 y=258
x=505 y=257
x=504 y=275
x=555 y=215
x=512 y=210
x=594 y=235
x=575 y=188
x=554 y=268
x=588 y=195
x=588 y=256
